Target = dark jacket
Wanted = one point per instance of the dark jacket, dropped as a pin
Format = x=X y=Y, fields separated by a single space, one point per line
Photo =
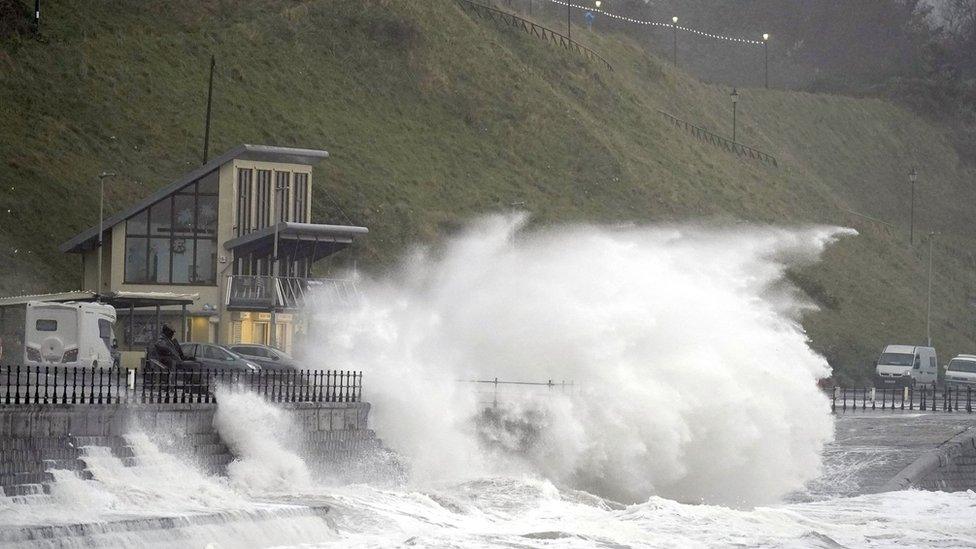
x=167 y=352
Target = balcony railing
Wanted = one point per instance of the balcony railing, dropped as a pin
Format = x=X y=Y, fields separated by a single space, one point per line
x=265 y=293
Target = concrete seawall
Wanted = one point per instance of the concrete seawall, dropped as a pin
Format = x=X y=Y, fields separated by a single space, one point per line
x=949 y=468
x=35 y=439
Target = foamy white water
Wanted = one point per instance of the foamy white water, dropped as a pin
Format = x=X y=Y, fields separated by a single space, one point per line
x=699 y=383
x=693 y=383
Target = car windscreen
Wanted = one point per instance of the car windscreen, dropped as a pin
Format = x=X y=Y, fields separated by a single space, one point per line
x=896 y=359
x=967 y=366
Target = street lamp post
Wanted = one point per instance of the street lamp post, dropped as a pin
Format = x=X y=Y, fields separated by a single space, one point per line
x=735 y=99
x=928 y=310
x=674 y=29
x=766 y=59
x=101 y=217
x=569 y=21
x=912 y=177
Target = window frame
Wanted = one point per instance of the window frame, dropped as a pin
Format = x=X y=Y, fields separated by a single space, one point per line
x=192 y=190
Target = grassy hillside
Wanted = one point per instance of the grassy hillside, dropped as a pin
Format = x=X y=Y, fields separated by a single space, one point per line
x=432 y=116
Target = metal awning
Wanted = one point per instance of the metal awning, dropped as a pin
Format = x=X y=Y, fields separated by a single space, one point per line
x=119 y=300
x=298 y=240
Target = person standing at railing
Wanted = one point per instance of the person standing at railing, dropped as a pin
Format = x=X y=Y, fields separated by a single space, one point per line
x=166 y=351
x=589 y=17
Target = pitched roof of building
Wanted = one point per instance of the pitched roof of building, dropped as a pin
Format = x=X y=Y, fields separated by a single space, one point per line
x=88 y=239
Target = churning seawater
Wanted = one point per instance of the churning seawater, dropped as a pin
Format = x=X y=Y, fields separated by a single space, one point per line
x=692 y=418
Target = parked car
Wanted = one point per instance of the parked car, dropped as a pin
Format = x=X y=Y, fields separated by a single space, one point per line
x=209 y=355
x=961 y=372
x=904 y=365
x=268 y=358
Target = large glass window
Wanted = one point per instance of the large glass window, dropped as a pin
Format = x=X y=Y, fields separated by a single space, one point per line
x=174 y=240
x=301 y=198
x=264 y=199
x=283 y=196
x=243 y=201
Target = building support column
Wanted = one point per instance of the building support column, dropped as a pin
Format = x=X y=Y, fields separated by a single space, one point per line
x=183 y=323
x=156 y=326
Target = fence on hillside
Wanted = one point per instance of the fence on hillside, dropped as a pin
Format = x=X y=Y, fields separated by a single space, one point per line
x=707 y=136
x=500 y=17
x=21 y=385
x=922 y=398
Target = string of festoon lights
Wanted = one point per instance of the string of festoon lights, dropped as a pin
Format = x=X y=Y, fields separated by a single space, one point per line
x=673 y=24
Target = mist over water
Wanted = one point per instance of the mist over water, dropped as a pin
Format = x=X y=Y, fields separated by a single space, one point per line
x=697 y=380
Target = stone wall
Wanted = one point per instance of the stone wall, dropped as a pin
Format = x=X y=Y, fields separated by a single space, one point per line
x=949 y=468
x=37 y=438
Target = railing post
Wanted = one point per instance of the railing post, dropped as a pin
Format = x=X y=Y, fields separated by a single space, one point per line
x=110 y=381
x=833 y=396
x=911 y=397
x=904 y=393
x=934 y=395
x=873 y=399
x=969 y=400
x=845 y=398
x=37 y=384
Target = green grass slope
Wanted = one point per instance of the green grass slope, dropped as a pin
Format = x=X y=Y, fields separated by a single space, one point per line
x=432 y=117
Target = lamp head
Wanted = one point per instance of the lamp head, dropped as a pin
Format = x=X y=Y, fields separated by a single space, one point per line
x=913 y=175
x=765 y=36
x=597 y=3
x=674 y=19
x=734 y=95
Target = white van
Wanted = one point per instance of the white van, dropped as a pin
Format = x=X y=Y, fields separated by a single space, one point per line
x=904 y=365
x=68 y=334
x=961 y=371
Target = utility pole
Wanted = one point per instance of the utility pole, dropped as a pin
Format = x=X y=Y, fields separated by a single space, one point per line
x=206 y=131
x=674 y=29
x=101 y=217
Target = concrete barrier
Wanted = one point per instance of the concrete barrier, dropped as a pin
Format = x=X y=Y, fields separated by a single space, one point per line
x=37 y=438
x=949 y=468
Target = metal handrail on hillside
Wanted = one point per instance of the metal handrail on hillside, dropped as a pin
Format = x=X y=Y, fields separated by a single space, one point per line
x=544 y=33
x=730 y=146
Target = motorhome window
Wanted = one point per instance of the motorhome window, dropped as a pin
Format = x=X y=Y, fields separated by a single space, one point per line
x=46 y=325
x=932 y=364
x=105 y=330
x=967 y=366
x=896 y=359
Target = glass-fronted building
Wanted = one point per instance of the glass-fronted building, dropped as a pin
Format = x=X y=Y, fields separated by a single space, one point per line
x=216 y=233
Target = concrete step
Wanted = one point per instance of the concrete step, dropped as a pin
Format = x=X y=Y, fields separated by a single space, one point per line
x=25 y=490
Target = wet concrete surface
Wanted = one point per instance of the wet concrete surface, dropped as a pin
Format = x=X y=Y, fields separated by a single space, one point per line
x=871 y=447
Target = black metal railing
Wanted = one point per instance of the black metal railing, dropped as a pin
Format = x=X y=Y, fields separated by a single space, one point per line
x=72 y=385
x=922 y=398
x=729 y=145
x=511 y=20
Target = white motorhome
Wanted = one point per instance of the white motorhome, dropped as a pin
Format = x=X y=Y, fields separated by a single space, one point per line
x=68 y=334
x=905 y=365
x=961 y=371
